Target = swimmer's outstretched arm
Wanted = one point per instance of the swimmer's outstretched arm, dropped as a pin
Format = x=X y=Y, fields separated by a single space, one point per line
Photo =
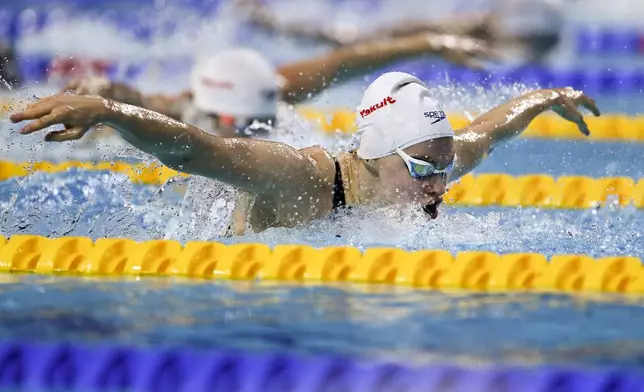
x=508 y=120
x=309 y=77
x=274 y=170
x=260 y=15
x=169 y=105
x=475 y=26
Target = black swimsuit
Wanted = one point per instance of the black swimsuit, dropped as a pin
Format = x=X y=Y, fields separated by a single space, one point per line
x=338 y=188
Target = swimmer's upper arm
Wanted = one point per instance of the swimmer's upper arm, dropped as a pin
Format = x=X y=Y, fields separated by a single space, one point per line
x=472 y=145
x=274 y=170
x=321 y=157
x=271 y=169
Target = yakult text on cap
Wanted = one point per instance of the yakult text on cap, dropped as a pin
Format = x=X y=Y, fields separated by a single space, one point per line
x=373 y=108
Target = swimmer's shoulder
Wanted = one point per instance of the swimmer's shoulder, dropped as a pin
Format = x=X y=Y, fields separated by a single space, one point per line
x=322 y=158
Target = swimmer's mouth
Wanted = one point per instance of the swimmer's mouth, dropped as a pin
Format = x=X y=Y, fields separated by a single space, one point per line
x=432 y=208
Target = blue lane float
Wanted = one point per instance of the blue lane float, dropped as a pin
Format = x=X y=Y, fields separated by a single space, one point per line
x=593 y=41
x=38 y=68
x=21 y=21
x=605 y=81
x=74 y=367
x=141 y=21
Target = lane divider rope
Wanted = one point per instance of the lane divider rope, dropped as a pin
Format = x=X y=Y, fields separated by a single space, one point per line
x=77 y=367
x=613 y=80
x=140 y=173
x=538 y=190
x=424 y=269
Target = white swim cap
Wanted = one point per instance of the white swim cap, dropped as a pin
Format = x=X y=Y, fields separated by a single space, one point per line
x=236 y=82
x=397 y=112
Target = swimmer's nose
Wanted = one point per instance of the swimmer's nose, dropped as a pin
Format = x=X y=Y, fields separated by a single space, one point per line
x=435 y=187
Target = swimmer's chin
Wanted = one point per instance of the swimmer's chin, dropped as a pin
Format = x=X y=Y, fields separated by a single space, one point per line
x=432 y=209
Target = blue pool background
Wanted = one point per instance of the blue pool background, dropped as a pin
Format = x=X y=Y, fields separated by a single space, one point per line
x=364 y=321
x=358 y=322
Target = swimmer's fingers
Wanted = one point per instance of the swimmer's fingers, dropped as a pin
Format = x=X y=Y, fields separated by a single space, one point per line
x=471 y=61
x=70 y=133
x=590 y=104
x=482 y=49
x=72 y=86
x=580 y=98
x=473 y=52
x=463 y=58
x=479 y=58
x=33 y=111
x=568 y=110
x=78 y=86
x=43 y=122
x=490 y=52
x=90 y=86
x=481 y=52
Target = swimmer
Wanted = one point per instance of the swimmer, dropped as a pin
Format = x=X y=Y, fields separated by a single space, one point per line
x=523 y=31
x=339 y=35
x=236 y=91
x=406 y=150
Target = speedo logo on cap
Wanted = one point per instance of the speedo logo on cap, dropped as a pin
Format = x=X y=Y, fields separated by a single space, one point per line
x=437 y=115
x=365 y=112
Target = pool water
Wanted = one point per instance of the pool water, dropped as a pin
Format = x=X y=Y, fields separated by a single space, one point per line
x=107 y=204
x=369 y=321
x=352 y=321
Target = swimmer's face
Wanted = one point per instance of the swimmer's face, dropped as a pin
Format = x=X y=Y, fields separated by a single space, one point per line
x=398 y=186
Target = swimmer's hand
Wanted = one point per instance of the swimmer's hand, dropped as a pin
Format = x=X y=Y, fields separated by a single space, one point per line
x=91 y=86
x=566 y=102
x=466 y=51
x=77 y=113
x=171 y=106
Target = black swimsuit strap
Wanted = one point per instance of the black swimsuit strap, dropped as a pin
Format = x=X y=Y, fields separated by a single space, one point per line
x=338 y=188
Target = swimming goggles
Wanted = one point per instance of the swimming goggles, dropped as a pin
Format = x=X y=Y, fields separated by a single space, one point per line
x=421 y=169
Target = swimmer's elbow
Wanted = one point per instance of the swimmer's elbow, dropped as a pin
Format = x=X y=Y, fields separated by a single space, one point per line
x=192 y=163
x=191 y=152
